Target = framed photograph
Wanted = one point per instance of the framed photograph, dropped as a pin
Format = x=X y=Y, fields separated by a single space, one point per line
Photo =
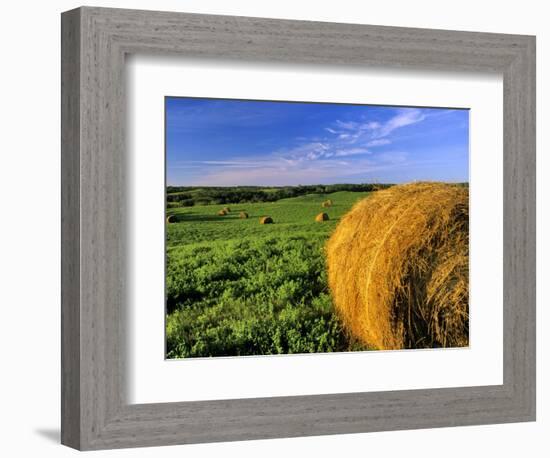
x=277 y=228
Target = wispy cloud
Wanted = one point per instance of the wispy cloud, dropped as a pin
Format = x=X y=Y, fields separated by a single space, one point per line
x=279 y=170
x=316 y=160
x=378 y=142
x=375 y=133
x=366 y=146
x=349 y=138
x=404 y=118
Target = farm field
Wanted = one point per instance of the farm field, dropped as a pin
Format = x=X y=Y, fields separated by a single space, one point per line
x=237 y=287
x=308 y=227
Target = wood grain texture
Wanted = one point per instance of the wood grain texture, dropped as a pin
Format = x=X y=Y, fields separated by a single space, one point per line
x=70 y=229
x=95 y=411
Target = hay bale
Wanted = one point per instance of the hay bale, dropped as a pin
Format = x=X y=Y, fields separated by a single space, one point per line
x=398 y=267
x=227 y=209
x=321 y=217
x=171 y=219
x=243 y=215
x=326 y=203
x=266 y=220
x=222 y=213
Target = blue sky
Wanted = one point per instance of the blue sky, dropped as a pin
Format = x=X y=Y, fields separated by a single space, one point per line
x=218 y=142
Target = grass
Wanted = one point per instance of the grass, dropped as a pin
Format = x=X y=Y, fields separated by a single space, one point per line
x=236 y=287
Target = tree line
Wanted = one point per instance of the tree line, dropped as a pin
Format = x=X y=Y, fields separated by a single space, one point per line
x=184 y=196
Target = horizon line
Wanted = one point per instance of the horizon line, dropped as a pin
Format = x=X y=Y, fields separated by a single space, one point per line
x=313 y=184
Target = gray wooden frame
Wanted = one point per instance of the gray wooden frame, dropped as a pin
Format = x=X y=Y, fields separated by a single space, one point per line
x=95 y=413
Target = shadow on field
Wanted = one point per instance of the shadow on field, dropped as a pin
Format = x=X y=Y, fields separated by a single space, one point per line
x=197 y=217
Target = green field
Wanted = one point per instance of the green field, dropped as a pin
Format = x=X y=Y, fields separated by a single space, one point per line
x=236 y=287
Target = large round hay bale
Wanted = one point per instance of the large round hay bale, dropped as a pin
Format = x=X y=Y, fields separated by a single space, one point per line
x=266 y=220
x=222 y=213
x=321 y=217
x=326 y=203
x=171 y=219
x=398 y=267
x=243 y=215
x=227 y=209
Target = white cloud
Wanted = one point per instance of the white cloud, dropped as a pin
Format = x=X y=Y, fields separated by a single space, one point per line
x=372 y=125
x=378 y=142
x=349 y=125
x=352 y=152
x=406 y=117
x=375 y=129
x=318 y=159
x=278 y=171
